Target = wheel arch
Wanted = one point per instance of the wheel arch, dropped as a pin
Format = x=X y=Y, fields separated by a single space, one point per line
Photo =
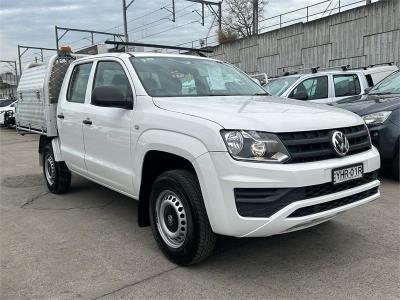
x=55 y=145
x=43 y=142
x=158 y=151
x=156 y=162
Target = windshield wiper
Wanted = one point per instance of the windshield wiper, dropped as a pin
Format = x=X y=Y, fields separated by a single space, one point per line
x=383 y=93
x=262 y=94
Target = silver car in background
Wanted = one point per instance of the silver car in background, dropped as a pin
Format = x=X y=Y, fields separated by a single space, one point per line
x=328 y=86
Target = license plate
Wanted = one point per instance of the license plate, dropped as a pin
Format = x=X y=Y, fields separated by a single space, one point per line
x=347 y=173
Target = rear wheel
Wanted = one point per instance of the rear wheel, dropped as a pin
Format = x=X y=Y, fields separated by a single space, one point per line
x=179 y=219
x=56 y=173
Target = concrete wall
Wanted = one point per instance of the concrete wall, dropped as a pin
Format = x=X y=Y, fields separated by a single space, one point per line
x=360 y=37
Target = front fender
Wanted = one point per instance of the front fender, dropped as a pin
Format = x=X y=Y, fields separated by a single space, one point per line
x=180 y=144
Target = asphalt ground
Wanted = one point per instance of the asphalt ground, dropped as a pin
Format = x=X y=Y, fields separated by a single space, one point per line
x=86 y=244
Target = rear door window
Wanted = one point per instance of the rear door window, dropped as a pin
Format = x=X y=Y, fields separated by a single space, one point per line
x=315 y=87
x=346 y=85
x=78 y=84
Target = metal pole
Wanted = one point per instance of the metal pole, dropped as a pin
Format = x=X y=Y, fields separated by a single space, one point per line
x=56 y=29
x=92 y=38
x=255 y=17
x=16 y=73
x=339 y=5
x=220 y=16
x=124 y=8
x=202 y=14
x=307 y=13
x=173 y=10
x=41 y=54
x=19 y=60
x=280 y=21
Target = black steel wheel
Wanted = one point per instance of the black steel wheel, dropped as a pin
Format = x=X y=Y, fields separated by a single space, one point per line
x=179 y=219
x=56 y=174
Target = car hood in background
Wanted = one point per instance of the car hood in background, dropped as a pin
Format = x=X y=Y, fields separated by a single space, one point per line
x=370 y=103
x=263 y=113
x=7 y=108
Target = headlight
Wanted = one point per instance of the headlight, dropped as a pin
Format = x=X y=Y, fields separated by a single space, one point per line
x=376 y=118
x=255 y=146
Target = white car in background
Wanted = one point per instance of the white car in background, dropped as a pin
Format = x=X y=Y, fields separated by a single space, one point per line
x=6 y=105
x=328 y=86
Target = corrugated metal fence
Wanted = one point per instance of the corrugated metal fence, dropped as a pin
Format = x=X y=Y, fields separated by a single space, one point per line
x=360 y=37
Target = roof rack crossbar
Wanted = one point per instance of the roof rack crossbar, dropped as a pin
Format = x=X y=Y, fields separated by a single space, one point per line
x=117 y=43
x=389 y=63
x=342 y=67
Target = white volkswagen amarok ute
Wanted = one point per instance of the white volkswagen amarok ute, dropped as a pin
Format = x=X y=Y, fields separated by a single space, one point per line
x=199 y=144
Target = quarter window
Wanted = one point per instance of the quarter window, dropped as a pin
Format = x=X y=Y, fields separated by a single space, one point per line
x=346 y=85
x=315 y=88
x=110 y=73
x=78 y=84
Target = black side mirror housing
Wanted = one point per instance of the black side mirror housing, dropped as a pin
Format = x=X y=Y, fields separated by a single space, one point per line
x=110 y=96
x=300 y=95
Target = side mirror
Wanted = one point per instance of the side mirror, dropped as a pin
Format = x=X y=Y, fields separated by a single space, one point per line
x=301 y=95
x=110 y=96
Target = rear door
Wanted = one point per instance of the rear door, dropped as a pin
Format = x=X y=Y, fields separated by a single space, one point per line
x=70 y=114
x=345 y=85
x=108 y=135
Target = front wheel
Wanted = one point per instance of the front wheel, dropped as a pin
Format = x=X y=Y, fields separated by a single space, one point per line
x=179 y=219
x=56 y=173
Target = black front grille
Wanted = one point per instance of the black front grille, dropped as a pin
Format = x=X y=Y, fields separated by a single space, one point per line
x=314 y=209
x=263 y=203
x=306 y=146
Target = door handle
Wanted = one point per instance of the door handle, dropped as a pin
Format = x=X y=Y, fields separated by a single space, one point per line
x=60 y=116
x=87 y=122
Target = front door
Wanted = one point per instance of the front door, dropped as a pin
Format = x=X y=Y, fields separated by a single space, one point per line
x=70 y=113
x=314 y=89
x=108 y=135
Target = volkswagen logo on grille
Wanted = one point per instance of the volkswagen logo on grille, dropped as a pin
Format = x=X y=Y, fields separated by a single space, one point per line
x=340 y=143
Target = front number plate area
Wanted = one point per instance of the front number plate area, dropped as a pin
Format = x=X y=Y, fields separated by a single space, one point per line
x=347 y=173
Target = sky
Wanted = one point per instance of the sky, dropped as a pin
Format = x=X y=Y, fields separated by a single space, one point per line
x=31 y=22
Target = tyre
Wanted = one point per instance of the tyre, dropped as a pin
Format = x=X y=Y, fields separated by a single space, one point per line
x=179 y=219
x=56 y=173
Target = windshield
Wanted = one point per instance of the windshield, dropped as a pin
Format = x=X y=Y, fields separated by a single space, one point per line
x=6 y=102
x=278 y=86
x=185 y=76
x=389 y=85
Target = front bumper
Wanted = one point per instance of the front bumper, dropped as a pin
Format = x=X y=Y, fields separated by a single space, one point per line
x=219 y=175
